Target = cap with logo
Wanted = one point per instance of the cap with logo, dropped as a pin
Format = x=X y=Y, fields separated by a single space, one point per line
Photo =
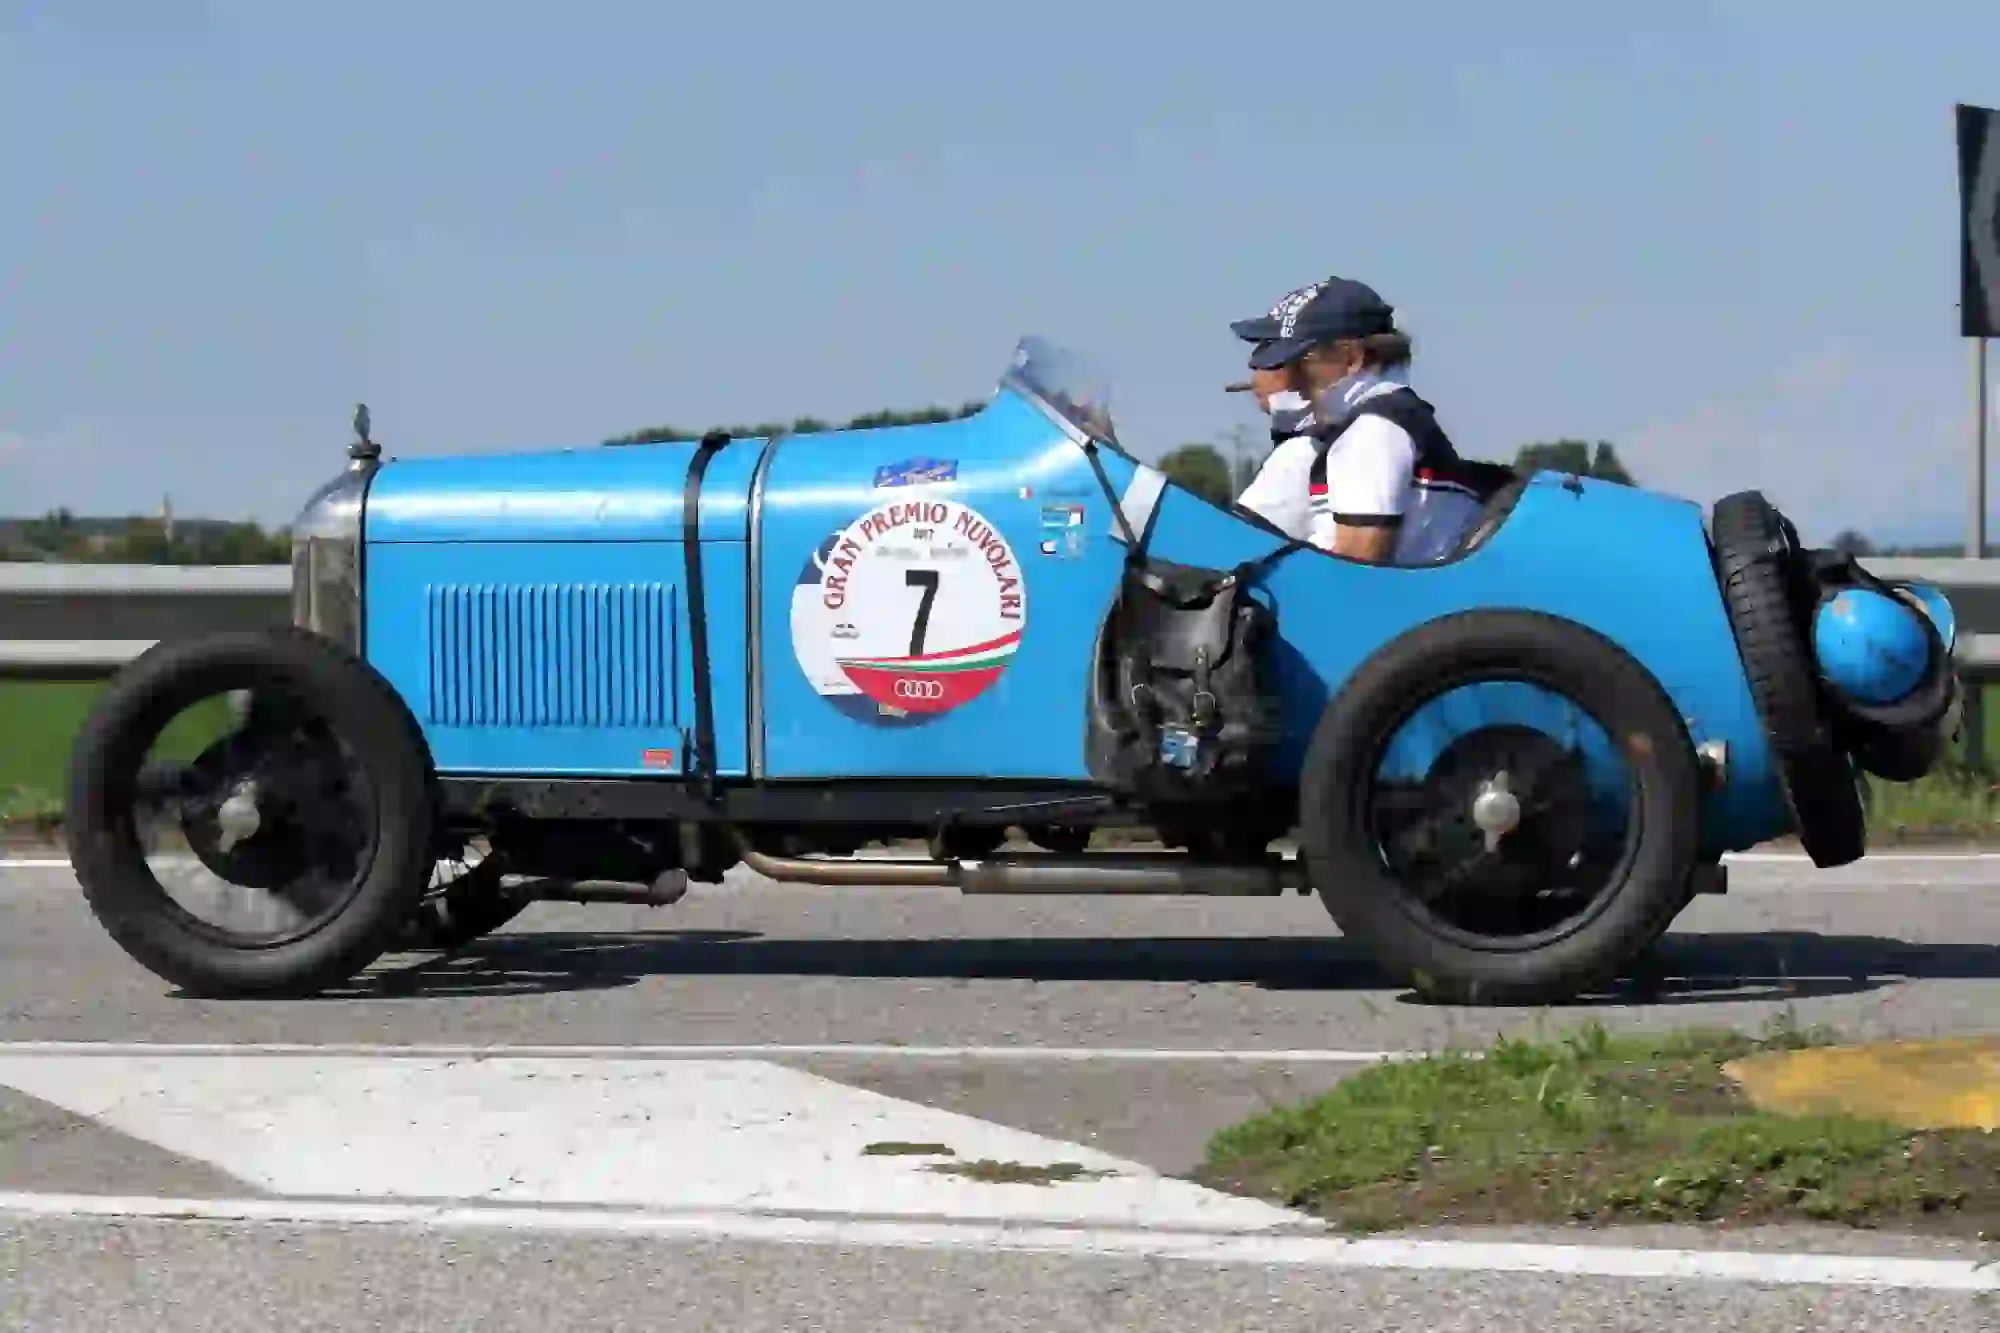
x=1326 y=310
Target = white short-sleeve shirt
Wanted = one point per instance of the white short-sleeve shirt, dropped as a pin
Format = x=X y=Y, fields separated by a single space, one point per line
x=1371 y=474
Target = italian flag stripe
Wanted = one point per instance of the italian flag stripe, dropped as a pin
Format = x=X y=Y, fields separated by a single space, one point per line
x=958 y=659
x=923 y=667
x=1008 y=640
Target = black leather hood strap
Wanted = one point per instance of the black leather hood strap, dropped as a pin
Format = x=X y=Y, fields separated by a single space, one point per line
x=1400 y=407
x=702 y=760
x=1133 y=541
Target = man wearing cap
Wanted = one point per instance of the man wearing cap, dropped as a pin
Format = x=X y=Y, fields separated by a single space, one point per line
x=1280 y=492
x=1369 y=474
x=1278 y=399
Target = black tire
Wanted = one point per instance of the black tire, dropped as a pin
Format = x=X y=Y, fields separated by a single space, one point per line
x=1756 y=562
x=1355 y=884
x=357 y=705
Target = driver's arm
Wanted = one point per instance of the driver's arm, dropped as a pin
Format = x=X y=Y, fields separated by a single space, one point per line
x=1372 y=538
x=1367 y=485
x=1277 y=494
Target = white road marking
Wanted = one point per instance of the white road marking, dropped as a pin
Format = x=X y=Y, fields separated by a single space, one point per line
x=62 y=862
x=721 y=1135
x=859 y=1050
x=1212 y=1246
x=1876 y=858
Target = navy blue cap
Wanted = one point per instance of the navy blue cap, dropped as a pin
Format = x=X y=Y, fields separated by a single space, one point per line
x=1332 y=308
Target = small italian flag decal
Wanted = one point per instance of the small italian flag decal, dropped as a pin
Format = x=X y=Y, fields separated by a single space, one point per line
x=931 y=682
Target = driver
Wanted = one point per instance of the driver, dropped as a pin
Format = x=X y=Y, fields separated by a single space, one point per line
x=1368 y=473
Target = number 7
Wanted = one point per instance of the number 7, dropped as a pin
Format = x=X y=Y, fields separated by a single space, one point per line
x=927 y=579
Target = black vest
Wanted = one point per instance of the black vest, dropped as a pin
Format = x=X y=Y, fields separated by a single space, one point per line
x=1437 y=462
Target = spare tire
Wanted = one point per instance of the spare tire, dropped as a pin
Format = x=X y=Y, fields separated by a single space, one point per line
x=1758 y=564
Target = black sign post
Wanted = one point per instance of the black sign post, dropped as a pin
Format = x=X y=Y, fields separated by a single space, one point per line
x=1978 y=281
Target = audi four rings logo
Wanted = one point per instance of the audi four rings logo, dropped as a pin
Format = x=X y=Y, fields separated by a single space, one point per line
x=919 y=689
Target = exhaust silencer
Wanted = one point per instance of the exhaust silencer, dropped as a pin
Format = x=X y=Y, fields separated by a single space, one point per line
x=1165 y=873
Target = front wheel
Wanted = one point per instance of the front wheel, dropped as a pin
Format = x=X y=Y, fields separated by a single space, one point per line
x=1503 y=806
x=251 y=814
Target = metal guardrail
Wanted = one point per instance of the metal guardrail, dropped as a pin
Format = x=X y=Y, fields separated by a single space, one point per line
x=86 y=621
x=24 y=579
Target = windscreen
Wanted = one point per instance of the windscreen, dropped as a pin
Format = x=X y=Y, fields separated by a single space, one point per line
x=1068 y=383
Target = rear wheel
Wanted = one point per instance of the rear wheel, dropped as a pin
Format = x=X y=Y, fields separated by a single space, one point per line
x=1503 y=806
x=251 y=814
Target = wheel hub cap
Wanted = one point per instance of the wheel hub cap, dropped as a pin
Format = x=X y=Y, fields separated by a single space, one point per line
x=1496 y=811
x=238 y=817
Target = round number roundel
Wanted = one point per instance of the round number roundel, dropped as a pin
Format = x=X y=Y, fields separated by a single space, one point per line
x=910 y=611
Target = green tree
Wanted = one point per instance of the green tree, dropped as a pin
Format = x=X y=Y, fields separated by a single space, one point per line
x=144 y=542
x=1606 y=466
x=244 y=544
x=922 y=416
x=1574 y=456
x=1202 y=469
x=54 y=533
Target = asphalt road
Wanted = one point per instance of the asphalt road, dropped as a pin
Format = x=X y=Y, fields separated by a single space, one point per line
x=1130 y=1029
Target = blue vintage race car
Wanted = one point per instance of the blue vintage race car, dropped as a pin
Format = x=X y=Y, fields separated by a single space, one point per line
x=598 y=673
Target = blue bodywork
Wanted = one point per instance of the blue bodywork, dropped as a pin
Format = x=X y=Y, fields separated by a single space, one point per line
x=533 y=608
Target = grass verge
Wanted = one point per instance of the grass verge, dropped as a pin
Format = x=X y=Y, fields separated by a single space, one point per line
x=1600 y=1129
x=39 y=721
x=1953 y=803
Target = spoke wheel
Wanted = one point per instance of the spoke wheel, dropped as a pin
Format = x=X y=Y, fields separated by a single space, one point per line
x=250 y=813
x=266 y=834
x=1496 y=842
x=1532 y=854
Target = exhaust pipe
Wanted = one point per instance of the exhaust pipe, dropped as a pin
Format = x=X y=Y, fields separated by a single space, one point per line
x=1102 y=873
x=664 y=891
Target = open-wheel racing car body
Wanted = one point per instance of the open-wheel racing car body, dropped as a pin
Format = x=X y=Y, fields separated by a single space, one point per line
x=614 y=669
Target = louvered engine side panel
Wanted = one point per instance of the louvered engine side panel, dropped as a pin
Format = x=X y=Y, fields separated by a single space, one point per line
x=529 y=656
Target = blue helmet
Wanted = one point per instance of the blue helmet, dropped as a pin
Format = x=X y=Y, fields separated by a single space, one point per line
x=1873 y=648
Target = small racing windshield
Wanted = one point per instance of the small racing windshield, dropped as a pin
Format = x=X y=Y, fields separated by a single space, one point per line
x=1067 y=383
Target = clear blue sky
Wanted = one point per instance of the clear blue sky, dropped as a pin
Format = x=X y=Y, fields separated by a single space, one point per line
x=1721 y=235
